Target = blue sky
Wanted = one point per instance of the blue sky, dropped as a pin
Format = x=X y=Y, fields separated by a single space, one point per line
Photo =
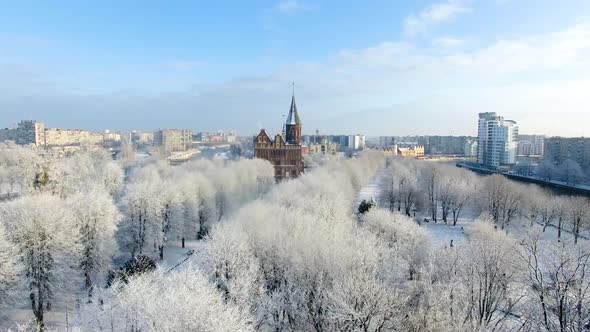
x=376 y=67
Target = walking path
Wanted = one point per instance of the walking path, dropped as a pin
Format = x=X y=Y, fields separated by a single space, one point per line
x=369 y=192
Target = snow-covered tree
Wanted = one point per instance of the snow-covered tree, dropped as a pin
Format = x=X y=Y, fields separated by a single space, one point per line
x=82 y=171
x=560 y=206
x=96 y=218
x=457 y=191
x=546 y=170
x=41 y=228
x=578 y=215
x=502 y=199
x=570 y=172
x=180 y=301
x=430 y=183
x=141 y=227
x=558 y=282
x=23 y=169
x=399 y=185
x=8 y=268
x=490 y=277
x=410 y=242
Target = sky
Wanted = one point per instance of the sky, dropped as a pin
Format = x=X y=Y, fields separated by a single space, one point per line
x=379 y=67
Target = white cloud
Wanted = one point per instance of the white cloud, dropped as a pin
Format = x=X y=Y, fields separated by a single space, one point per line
x=434 y=15
x=447 y=42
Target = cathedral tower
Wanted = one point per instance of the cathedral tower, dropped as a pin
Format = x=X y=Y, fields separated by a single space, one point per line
x=293 y=125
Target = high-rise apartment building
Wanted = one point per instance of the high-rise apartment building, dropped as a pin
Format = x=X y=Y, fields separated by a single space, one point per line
x=172 y=140
x=531 y=145
x=356 y=142
x=386 y=141
x=30 y=132
x=497 y=140
x=559 y=149
x=7 y=134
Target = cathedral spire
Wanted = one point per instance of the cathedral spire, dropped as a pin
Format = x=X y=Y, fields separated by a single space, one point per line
x=293 y=117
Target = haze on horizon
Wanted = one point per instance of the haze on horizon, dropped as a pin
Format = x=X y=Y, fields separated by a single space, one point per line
x=383 y=68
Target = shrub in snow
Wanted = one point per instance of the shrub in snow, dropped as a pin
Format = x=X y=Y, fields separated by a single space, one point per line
x=135 y=266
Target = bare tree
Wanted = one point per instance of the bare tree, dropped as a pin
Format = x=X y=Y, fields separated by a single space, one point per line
x=490 y=278
x=430 y=175
x=457 y=191
x=503 y=199
x=558 y=276
x=579 y=215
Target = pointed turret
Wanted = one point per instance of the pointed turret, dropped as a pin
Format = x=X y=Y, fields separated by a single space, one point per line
x=293 y=124
x=293 y=118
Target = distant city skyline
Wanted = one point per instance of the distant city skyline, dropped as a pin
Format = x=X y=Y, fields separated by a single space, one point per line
x=388 y=68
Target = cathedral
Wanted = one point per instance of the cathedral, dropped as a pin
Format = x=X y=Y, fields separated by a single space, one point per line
x=284 y=152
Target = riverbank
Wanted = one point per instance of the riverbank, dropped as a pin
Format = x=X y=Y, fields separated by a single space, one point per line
x=556 y=185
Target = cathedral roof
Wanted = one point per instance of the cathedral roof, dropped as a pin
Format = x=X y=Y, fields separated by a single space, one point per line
x=293 y=118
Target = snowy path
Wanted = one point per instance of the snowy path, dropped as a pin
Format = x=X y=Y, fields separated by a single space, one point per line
x=370 y=191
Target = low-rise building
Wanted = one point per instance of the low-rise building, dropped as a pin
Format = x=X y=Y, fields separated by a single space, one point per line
x=68 y=137
x=470 y=149
x=232 y=137
x=110 y=137
x=414 y=151
x=324 y=147
x=405 y=151
x=142 y=137
x=390 y=151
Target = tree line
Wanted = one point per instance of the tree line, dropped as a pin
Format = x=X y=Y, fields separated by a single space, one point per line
x=73 y=214
x=444 y=193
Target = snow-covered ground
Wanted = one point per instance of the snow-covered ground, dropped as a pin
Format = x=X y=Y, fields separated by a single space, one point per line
x=442 y=233
x=177 y=257
x=61 y=314
x=369 y=192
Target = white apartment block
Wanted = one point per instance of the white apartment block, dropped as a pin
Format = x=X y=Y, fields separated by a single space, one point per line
x=497 y=140
x=356 y=142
